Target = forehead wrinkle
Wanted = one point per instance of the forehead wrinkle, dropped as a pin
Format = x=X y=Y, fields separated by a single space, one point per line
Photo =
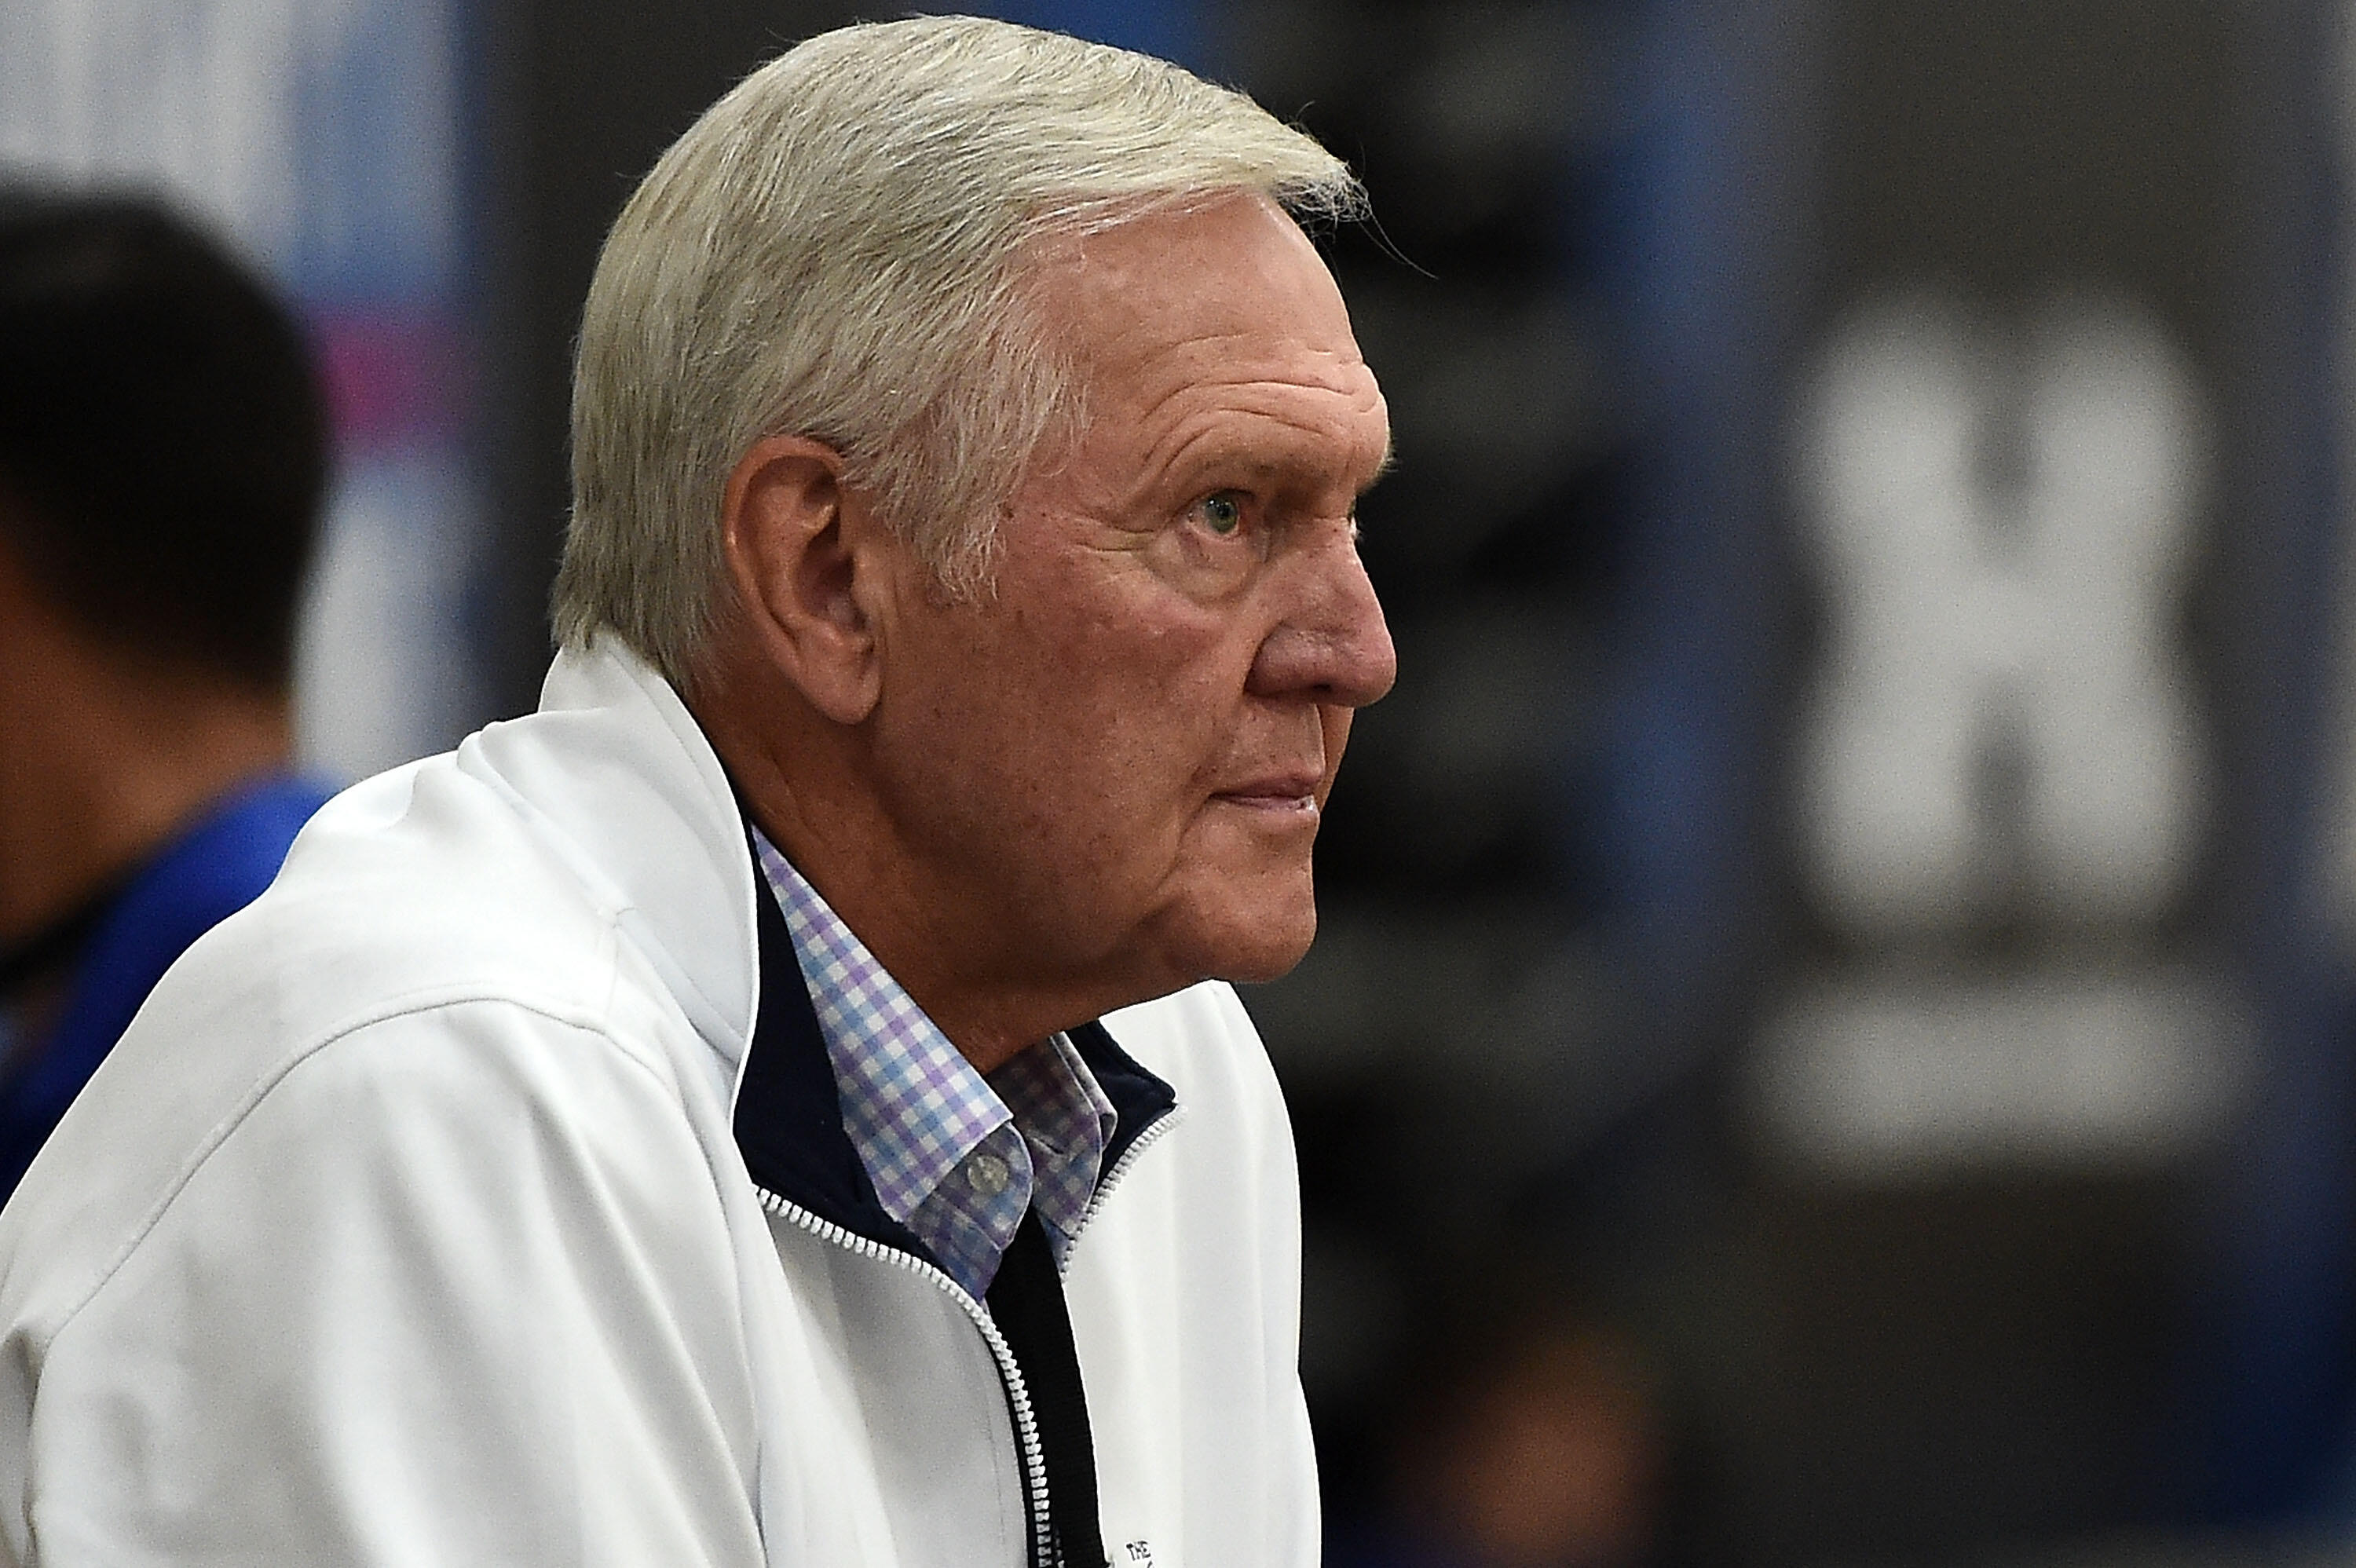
x=1265 y=400
x=1298 y=355
x=1257 y=442
x=1351 y=381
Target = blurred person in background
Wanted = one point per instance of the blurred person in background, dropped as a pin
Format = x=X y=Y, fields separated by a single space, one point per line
x=162 y=458
x=1522 y=1431
x=778 y=1102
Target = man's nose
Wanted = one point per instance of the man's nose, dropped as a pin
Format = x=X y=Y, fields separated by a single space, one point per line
x=1333 y=645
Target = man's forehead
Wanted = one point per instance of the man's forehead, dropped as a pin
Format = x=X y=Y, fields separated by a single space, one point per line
x=1290 y=353
x=1227 y=276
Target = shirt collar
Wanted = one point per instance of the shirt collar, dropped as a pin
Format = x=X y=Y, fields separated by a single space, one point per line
x=953 y=1156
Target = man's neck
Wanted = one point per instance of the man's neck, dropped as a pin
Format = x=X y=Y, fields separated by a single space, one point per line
x=102 y=759
x=800 y=780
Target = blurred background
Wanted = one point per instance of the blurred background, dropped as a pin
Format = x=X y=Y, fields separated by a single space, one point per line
x=1832 y=1037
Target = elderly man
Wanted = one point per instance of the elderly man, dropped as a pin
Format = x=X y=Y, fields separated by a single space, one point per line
x=774 y=1105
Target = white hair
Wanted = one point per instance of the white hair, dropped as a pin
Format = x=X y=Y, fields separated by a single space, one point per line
x=834 y=250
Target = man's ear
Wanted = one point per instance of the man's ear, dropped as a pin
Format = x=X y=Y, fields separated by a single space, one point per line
x=799 y=547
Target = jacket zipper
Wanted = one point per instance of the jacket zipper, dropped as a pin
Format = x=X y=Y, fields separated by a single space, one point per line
x=1146 y=1136
x=1026 y=1425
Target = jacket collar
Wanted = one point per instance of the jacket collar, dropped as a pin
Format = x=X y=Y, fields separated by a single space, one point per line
x=618 y=768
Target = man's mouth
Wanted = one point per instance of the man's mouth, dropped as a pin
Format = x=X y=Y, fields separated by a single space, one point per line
x=1293 y=794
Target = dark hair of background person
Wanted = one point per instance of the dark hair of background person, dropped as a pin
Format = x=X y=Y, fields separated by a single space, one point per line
x=163 y=441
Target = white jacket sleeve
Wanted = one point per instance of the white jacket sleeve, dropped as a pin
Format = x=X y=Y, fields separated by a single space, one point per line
x=407 y=1311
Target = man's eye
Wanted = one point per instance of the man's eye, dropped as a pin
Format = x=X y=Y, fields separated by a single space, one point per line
x=1221 y=513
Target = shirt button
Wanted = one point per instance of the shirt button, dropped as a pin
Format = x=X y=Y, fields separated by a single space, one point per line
x=986 y=1174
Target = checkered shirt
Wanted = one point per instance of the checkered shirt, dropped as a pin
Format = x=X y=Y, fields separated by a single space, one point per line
x=955 y=1157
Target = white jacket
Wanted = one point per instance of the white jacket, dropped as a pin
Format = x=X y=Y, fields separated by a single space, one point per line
x=408 y=1225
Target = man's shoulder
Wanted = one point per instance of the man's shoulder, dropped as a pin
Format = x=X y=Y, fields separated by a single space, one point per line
x=581 y=863
x=416 y=888
x=396 y=1101
x=431 y=925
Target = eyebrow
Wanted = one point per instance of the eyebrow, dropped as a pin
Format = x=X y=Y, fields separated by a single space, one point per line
x=1281 y=469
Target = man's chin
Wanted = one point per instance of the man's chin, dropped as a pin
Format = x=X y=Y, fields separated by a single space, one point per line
x=1263 y=952
x=1244 y=926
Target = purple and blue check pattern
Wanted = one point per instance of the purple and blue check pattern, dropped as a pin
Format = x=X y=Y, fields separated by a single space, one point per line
x=955 y=1157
